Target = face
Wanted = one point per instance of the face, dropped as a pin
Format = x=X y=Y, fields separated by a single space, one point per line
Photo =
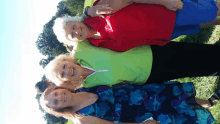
x=75 y=31
x=59 y=98
x=70 y=71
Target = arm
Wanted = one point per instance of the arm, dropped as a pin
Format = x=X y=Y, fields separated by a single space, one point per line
x=95 y=120
x=83 y=17
x=169 y=4
x=116 y=5
x=112 y=6
x=96 y=10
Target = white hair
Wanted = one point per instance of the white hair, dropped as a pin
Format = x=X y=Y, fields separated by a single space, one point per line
x=59 y=25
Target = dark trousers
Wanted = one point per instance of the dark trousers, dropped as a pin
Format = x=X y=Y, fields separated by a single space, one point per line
x=180 y=59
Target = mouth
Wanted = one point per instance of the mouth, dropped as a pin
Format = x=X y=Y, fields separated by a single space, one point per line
x=80 y=32
x=73 y=72
x=65 y=99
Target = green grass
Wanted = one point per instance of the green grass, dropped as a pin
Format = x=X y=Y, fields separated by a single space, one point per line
x=69 y=122
x=205 y=86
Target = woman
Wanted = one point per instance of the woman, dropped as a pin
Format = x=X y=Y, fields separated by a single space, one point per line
x=42 y=85
x=169 y=102
x=137 y=24
x=143 y=64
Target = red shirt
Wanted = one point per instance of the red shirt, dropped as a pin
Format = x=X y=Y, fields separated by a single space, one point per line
x=134 y=25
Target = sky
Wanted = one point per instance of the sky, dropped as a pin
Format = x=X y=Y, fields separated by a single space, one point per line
x=20 y=24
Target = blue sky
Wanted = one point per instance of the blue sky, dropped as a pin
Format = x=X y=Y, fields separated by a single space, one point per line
x=20 y=24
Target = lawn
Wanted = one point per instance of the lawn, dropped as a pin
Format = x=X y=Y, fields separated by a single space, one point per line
x=205 y=86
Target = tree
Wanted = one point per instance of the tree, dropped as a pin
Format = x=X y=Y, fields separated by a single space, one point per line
x=76 y=6
x=62 y=8
x=47 y=41
x=53 y=119
x=44 y=62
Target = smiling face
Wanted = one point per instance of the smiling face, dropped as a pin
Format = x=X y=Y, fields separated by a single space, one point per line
x=59 y=98
x=70 y=71
x=75 y=31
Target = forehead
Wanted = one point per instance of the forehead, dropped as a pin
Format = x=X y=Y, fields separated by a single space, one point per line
x=50 y=97
x=72 y=23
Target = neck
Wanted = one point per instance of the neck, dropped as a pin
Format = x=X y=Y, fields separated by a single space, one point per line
x=91 y=33
x=82 y=100
x=86 y=73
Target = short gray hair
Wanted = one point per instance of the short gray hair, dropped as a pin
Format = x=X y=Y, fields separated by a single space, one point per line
x=59 y=25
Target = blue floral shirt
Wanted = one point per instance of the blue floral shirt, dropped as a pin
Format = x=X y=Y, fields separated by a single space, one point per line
x=170 y=103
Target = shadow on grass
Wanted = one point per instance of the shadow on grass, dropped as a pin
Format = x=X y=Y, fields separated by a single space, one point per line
x=202 y=37
x=218 y=84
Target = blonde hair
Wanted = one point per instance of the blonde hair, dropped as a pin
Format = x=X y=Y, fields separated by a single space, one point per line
x=61 y=112
x=51 y=68
x=59 y=30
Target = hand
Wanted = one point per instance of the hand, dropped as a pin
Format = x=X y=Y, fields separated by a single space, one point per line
x=98 y=10
x=152 y=122
x=174 y=4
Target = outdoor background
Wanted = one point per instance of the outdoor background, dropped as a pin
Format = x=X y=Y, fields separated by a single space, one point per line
x=28 y=44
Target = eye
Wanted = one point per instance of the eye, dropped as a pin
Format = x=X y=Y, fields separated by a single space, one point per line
x=55 y=94
x=62 y=74
x=56 y=102
x=64 y=66
x=73 y=35
x=64 y=97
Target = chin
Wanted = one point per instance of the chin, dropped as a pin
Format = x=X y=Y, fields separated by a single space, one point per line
x=79 y=40
x=75 y=41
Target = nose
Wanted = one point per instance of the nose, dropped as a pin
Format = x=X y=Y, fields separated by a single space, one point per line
x=59 y=96
x=68 y=71
x=77 y=31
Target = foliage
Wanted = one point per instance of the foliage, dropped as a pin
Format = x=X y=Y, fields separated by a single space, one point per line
x=76 y=7
x=44 y=62
x=47 y=41
x=62 y=8
x=53 y=119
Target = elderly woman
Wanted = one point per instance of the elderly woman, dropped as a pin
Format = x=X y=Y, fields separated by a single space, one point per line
x=169 y=103
x=94 y=66
x=137 y=24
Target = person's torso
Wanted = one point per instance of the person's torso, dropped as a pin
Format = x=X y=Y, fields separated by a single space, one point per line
x=114 y=67
x=137 y=24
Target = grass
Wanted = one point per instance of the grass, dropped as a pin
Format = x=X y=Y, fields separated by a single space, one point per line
x=69 y=122
x=205 y=86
